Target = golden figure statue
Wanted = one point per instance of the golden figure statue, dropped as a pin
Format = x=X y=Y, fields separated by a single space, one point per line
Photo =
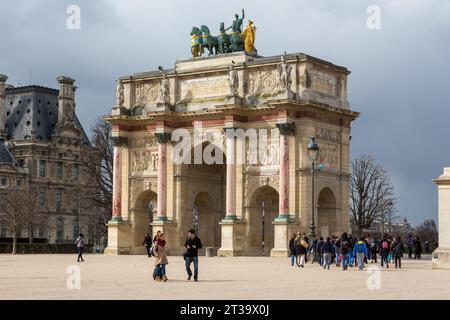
x=249 y=36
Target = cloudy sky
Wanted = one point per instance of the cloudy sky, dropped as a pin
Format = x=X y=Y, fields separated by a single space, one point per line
x=400 y=79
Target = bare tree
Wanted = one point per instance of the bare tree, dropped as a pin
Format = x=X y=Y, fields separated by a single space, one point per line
x=15 y=212
x=30 y=211
x=427 y=230
x=98 y=164
x=371 y=193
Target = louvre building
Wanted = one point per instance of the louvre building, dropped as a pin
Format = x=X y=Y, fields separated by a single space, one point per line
x=41 y=143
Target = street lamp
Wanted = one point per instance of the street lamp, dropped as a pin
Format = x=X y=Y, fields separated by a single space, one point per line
x=313 y=153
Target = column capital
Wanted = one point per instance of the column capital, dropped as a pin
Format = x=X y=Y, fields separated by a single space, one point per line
x=163 y=137
x=286 y=128
x=119 y=141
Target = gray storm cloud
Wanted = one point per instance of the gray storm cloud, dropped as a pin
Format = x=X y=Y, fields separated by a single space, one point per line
x=400 y=79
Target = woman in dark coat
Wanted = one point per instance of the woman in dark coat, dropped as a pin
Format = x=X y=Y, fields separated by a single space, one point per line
x=159 y=250
x=301 y=249
x=397 y=250
x=292 y=251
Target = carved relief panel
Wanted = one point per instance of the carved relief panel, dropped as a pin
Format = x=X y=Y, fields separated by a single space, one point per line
x=146 y=92
x=328 y=155
x=143 y=155
x=262 y=81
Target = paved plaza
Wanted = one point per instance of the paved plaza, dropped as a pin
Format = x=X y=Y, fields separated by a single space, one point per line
x=130 y=277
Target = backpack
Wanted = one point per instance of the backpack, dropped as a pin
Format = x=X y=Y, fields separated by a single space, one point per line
x=385 y=245
x=345 y=246
x=373 y=244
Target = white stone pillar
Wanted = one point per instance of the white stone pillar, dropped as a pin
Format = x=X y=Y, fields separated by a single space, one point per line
x=118 y=143
x=441 y=256
x=162 y=139
x=231 y=176
x=283 y=222
x=286 y=129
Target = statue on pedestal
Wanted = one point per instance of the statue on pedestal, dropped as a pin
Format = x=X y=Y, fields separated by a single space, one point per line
x=165 y=90
x=249 y=36
x=233 y=81
x=284 y=74
x=119 y=94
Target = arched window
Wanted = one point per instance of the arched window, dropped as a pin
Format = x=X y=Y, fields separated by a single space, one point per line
x=75 y=228
x=60 y=229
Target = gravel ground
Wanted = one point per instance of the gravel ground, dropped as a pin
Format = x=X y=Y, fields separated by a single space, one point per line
x=130 y=277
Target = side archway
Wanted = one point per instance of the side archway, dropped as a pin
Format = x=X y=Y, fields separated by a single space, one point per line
x=143 y=212
x=326 y=213
x=261 y=212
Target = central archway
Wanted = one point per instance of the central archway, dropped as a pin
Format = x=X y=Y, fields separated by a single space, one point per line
x=261 y=213
x=207 y=221
x=203 y=188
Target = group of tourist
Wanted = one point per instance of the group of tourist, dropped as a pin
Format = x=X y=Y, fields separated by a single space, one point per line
x=349 y=251
x=156 y=247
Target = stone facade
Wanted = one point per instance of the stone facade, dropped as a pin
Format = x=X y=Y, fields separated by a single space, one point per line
x=240 y=208
x=45 y=142
x=441 y=256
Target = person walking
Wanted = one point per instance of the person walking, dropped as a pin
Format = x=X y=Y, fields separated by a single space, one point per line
x=360 y=251
x=409 y=244
x=147 y=243
x=306 y=239
x=155 y=238
x=351 y=256
x=369 y=255
x=373 y=249
x=318 y=254
x=418 y=249
x=159 y=251
x=80 y=244
x=344 y=250
x=384 y=252
x=337 y=250
x=301 y=247
x=427 y=246
x=390 y=255
x=327 y=249
x=192 y=244
x=397 y=249
x=292 y=251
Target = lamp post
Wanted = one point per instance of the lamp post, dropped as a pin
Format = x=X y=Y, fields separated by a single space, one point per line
x=313 y=153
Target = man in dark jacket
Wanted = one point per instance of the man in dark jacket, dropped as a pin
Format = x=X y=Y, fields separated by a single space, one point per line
x=292 y=251
x=147 y=243
x=344 y=247
x=192 y=245
x=373 y=249
x=327 y=249
x=409 y=244
x=418 y=249
x=397 y=250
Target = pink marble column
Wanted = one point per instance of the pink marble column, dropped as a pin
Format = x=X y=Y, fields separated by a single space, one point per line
x=286 y=129
x=118 y=143
x=230 y=213
x=162 y=139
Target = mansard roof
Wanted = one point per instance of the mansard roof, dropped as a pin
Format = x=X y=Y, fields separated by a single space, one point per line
x=32 y=112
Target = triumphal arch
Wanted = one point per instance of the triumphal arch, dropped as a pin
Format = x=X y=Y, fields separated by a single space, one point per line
x=219 y=143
